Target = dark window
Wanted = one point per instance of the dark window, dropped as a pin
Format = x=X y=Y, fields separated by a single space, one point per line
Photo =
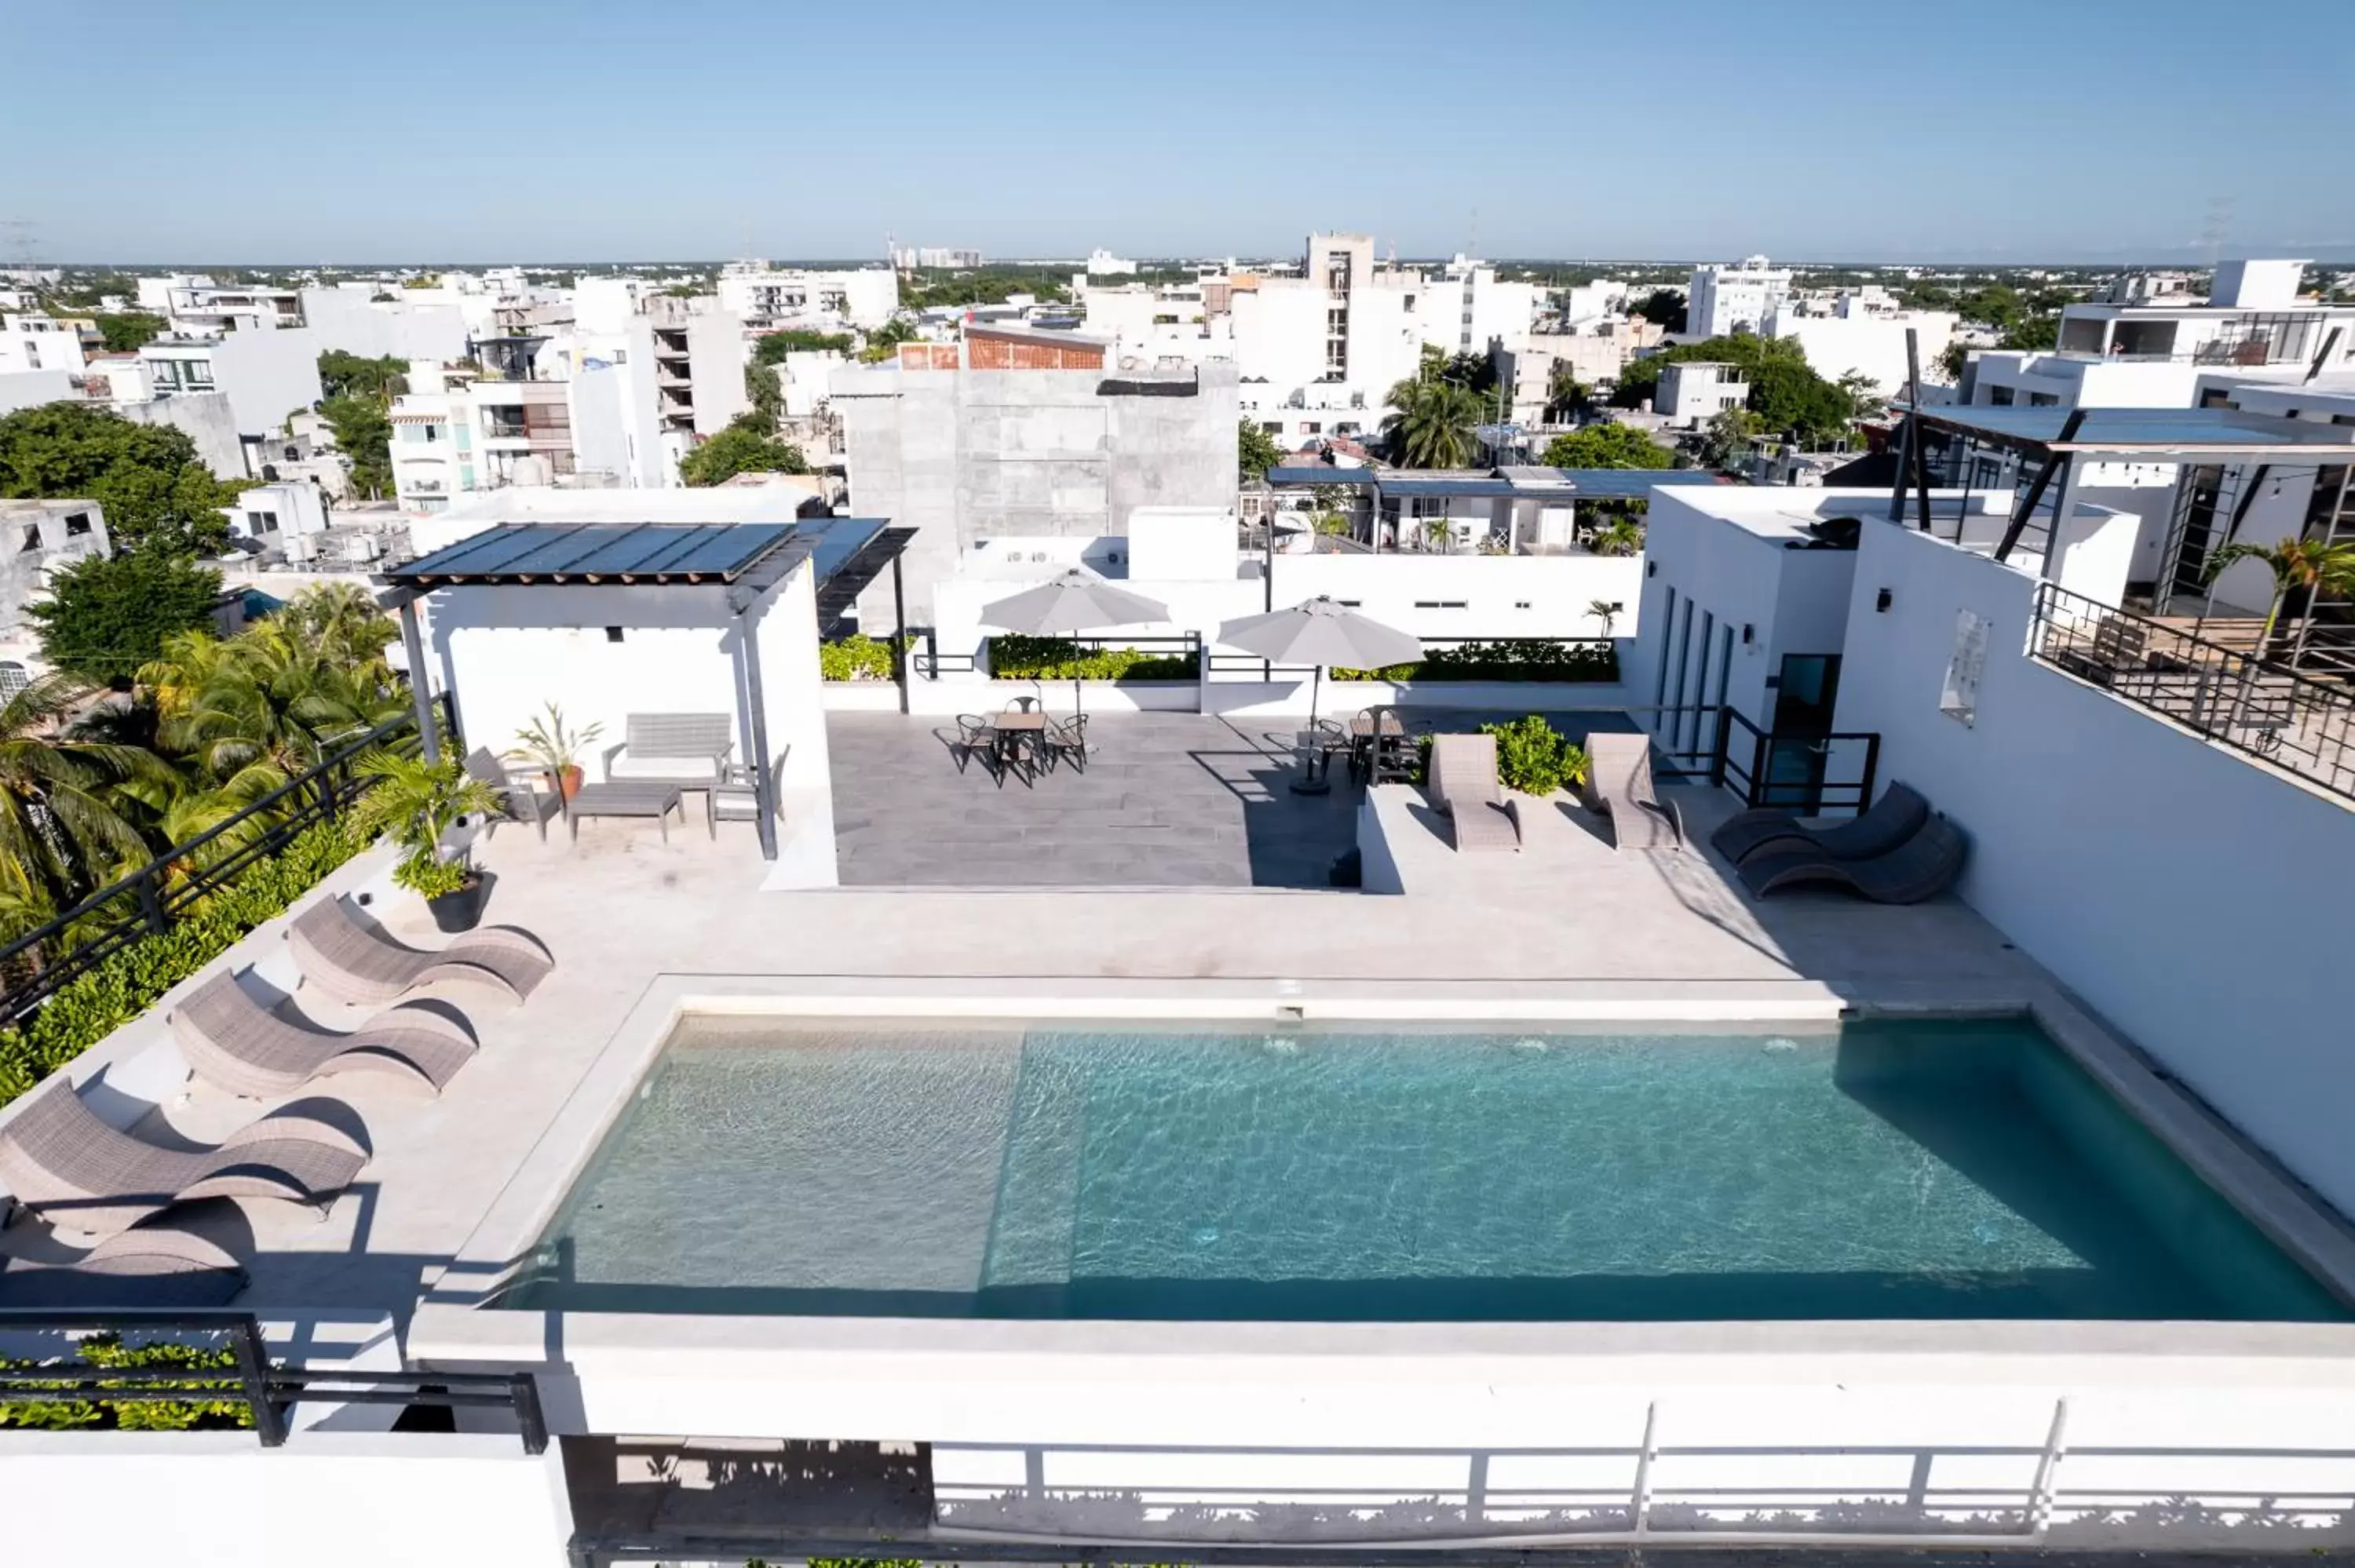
x=613 y=634
x=32 y=539
x=2001 y=397
x=77 y=525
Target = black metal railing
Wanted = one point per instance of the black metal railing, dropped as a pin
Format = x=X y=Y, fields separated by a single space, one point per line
x=266 y=1392
x=34 y=966
x=1812 y=774
x=2233 y=697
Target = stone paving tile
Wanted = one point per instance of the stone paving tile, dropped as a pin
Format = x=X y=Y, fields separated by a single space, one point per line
x=1169 y=800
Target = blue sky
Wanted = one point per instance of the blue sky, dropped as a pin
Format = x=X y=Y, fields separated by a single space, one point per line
x=448 y=130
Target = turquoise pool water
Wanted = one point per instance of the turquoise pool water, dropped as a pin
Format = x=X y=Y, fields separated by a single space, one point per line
x=1880 y=1170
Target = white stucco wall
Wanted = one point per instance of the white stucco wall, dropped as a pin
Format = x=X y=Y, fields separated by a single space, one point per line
x=2193 y=897
x=206 y=1499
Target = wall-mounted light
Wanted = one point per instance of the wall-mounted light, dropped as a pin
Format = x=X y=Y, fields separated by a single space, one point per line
x=1651 y=568
x=1881 y=602
x=1748 y=631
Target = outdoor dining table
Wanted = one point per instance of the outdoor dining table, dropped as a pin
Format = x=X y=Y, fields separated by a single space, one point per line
x=1363 y=739
x=1020 y=728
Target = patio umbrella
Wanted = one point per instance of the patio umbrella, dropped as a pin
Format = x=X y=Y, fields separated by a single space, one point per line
x=1064 y=606
x=1321 y=632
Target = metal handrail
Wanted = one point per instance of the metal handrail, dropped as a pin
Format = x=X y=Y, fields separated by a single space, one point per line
x=2232 y=698
x=263 y=1389
x=155 y=900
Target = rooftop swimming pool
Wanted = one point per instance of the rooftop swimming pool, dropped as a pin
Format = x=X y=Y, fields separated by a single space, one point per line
x=1324 y=1173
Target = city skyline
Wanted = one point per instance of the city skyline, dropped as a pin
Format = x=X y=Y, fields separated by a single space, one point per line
x=2092 y=135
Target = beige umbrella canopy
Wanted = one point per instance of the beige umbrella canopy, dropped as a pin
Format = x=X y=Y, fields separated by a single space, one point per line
x=1323 y=633
x=1076 y=602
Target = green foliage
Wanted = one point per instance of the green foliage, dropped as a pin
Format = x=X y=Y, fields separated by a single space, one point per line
x=858 y=657
x=417 y=802
x=343 y=374
x=1665 y=307
x=427 y=877
x=1534 y=758
x=147 y=477
x=1503 y=659
x=1606 y=445
x=1432 y=422
x=109 y=615
x=774 y=347
x=211 y=1373
x=766 y=394
x=364 y=433
x=883 y=343
x=126 y=982
x=1726 y=442
x=555 y=746
x=1787 y=397
x=741 y=448
x=129 y=332
x=1256 y=451
x=984 y=286
x=1016 y=658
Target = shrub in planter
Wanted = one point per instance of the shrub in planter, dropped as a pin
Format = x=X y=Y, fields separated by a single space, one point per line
x=1019 y=658
x=858 y=657
x=1534 y=758
x=1504 y=659
x=418 y=803
x=210 y=1371
x=555 y=748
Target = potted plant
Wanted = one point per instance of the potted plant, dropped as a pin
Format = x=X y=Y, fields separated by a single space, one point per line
x=556 y=751
x=418 y=803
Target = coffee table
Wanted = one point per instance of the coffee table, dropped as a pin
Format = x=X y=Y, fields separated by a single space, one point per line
x=627 y=797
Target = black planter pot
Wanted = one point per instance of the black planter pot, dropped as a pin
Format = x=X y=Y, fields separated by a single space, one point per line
x=460 y=911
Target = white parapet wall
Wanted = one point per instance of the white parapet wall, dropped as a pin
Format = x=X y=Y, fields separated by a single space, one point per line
x=219 y=1499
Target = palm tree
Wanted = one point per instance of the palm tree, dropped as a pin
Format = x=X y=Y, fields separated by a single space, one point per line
x=2307 y=564
x=1564 y=393
x=343 y=621
x=272 y=695
x=1431 y=423
x=1603 y=611
x=1622 y=536
x=58 y=833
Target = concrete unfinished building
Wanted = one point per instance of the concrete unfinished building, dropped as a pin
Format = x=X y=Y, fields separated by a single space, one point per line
x=1054 y=446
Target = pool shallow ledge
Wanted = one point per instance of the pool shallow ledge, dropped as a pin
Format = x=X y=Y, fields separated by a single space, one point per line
x=949 y=1377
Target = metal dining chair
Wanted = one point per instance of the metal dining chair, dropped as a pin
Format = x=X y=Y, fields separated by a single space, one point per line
x=1068 y=737
x=976 y=736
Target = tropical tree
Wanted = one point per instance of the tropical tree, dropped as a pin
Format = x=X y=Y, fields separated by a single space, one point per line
x=106 y=616
x=156 y=490
x=273 y=696
x=764 y=392
x=1622 y=536
x=743 y=447
x=1433 y=423
x=59 y=833
x=1605 y=610
x=1606 y=445
x=2307 y=564
x=1726 y=441
x=345 y=621
x=1256 y=451
x=1565 y=394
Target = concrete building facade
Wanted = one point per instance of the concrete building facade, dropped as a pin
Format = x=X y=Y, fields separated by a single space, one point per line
x=1735 y=297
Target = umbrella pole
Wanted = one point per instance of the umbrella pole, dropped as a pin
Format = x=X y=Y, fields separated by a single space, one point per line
x=1315 y=691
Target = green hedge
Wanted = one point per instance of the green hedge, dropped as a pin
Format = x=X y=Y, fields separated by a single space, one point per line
x=1013 y=658
x=858 y=657
x=125 y=983
x=1535 y=758
x=108 y=1350
x=1505 y=659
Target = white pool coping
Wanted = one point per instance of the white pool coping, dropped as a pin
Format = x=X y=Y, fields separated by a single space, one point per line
x=453 y=1327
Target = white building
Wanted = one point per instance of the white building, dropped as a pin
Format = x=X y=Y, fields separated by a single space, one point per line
x=1723 y=299
x=2138 y=356
x=1859 y=335
x=405 y=327
x=30 y=341
x=1692 y=392
x=1103 y=263
x=1158 y=324
x=37 y=539
x=454 y=436
x=936 y=257
x=768 y=299
x=1467 y=307
x=265 y=375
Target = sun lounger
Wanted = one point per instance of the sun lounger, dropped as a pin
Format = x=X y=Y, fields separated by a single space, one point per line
x=147 y=1265
x=1619 y=781
x=1461 y=783
x=1923 y=867
x=1892 y=820
x=61 y=1162
x=234 y=1041
x=352 y=963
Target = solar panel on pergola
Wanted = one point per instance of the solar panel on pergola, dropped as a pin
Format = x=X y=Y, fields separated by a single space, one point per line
x=520 y=553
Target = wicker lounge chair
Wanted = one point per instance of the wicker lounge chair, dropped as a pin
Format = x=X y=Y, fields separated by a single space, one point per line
x=1892 y=820
x=234 y=1041
x=352 y=963
x=1461 y=783
x=62 y=1162
x=1619 y=781
x=147 y=1265
x=1923 y=867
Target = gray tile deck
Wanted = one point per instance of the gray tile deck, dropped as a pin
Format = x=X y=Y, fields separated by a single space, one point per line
x=1166 y=801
